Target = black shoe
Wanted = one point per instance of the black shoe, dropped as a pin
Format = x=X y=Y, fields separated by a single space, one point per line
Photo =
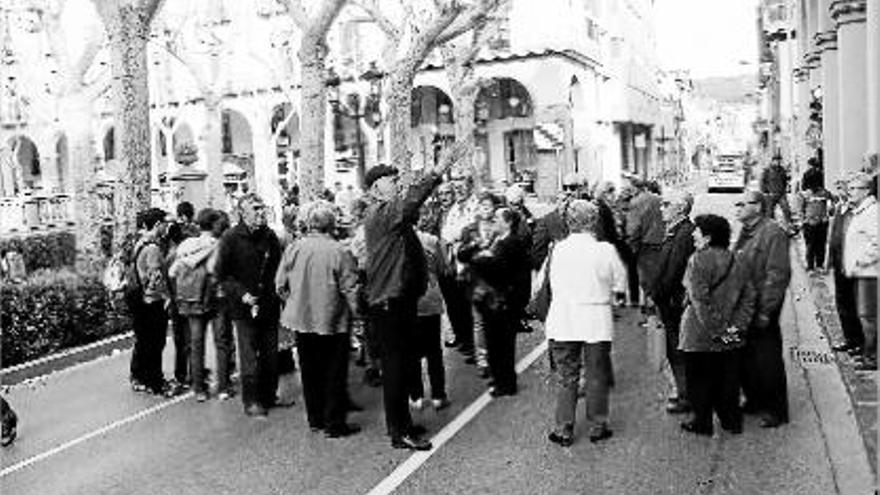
x=342 y=431
x=772 y=421
x=560 y=439
x=678 y=406
x=694 y=427
x=410 y=443
x=502 y=392
x=600 y=434
x=451 y=342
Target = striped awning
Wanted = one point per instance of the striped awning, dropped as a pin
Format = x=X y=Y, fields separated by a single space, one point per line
x=549 y=136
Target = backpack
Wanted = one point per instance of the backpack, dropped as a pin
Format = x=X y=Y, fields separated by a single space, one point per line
x=122 y=280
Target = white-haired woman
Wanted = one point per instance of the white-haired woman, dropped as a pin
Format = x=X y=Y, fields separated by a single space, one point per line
x=317 y=279
x=585 y=274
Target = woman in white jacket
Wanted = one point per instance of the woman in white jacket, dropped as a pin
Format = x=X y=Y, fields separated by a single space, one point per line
x=585 y=274
x=860 y=261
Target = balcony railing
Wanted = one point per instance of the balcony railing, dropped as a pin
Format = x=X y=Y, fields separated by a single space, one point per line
x=33 y=212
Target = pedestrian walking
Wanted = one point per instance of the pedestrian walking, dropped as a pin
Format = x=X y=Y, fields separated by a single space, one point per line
x=247 y=261
x=860 y=261
x=763 y=247
x=317 y=280
x=149 y=309
x=396 y=279
x=844 y=286
x=668 y=289
x=499 y=295
x=718 y=312
x=479 y=235
x=194 y=293
x=221 y=324
x=815 y=213
x=460 y=211
x=645 y=231
x=430 y=310
x=774 y=186
x=585 y=275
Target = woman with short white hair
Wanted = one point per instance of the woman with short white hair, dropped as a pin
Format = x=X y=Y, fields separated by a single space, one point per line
x=318 y=282
x=585 y=274
x=860 y=262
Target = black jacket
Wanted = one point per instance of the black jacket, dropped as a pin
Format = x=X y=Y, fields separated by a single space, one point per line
x=678 y=246
x=548 y=229
x=500 y=275
x=396 y=266
x=246 y=263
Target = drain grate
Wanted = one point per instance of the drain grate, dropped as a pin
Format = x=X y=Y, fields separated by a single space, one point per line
x=806 y=357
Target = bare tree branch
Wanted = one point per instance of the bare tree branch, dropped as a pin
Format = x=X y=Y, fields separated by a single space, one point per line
x=371 y=8
x=297 y=12
x=151 y=8
x=327 y=13
x=73 y=70
x=468 y=20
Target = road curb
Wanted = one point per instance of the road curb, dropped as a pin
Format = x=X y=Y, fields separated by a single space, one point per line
x=833 y=405
x=64 y=359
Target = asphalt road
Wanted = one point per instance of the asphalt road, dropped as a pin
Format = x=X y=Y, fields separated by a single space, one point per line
x=84 y=432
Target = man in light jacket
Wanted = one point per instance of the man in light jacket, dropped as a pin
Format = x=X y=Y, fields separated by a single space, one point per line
x=860 y=260
x=585 y=274
x=763 y=246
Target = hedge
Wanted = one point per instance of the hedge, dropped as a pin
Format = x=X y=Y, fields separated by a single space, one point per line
x=43 y=250
x=52 y=311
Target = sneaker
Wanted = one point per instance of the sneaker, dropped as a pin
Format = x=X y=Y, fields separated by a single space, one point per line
x=410 y=443
x=599 y=434
x=417 y=404
x=138 y=386
x=201 y=396
x=563 y=440
x=225 y=395
x=440 y=404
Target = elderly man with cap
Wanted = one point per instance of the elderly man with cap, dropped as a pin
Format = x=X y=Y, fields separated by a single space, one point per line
x=763 y=247
x=396 y=279
x=860 y=261
x=584 y=276
x=668 y=290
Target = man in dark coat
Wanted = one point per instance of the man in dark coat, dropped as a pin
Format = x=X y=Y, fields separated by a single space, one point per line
x=844 y=286
x=763 y=246
x=774 y=185
x=549 y=229
x=247 y=260
x=668 y=290
x=396 y=279
x=645 y=231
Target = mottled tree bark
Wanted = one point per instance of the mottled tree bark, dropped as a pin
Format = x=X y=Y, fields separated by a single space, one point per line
x=313 y=118
x=127 y=25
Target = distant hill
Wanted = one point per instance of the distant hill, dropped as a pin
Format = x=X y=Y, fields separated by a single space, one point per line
x=731 y=89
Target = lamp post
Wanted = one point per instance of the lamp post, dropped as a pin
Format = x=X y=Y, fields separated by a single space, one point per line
x=357 y=108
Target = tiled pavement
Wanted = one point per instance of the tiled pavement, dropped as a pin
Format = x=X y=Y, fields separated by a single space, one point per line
x=861 y=386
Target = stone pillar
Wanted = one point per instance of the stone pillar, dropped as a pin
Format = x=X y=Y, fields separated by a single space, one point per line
x=826 y=41
x=874 y=76
x=849 y=15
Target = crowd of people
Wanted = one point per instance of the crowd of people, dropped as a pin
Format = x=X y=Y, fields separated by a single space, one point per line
x=381 y=271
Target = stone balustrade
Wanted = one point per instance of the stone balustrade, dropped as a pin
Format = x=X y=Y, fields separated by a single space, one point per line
x=33 y=212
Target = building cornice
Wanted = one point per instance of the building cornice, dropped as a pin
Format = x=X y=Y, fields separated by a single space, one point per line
x=826 y=40
x=848 y=11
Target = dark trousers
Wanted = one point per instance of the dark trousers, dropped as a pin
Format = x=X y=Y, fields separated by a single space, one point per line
x=632 y=272
x=458 y=308
x=866 y=306
x=394 y=323
x=224 y=340
x=814 y=238
x=845 y=298
x=671 y=317
x=713 y=380
x=428 y=347
x=198 y=326
x=500 y=333
x=180 y=331
x=258 y=353
x=567 y=358
x=324 y=363
x=763 y=371
x=770 y=203
x=150 y=324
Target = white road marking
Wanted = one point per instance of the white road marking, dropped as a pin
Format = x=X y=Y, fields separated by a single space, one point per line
x=94 y=434
x=409 y=466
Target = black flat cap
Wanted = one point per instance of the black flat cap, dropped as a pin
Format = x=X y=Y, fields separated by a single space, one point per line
x=377 y=172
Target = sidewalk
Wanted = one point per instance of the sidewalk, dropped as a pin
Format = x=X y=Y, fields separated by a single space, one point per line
x=816 y=313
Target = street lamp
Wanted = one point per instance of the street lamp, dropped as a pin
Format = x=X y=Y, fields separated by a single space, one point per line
x=357 y=108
